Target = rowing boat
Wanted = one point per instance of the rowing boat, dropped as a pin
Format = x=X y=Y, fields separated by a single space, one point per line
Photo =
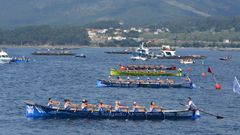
x=114 y=72
x=34 y=110
x=146 y=84
x=146 y=67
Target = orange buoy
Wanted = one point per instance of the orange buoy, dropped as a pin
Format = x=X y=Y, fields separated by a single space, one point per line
x=218 y=86
x=203 y=74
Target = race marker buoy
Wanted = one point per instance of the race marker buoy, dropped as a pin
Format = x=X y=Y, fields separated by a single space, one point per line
x=203 y=74
x=218 y=86
x=189 y=69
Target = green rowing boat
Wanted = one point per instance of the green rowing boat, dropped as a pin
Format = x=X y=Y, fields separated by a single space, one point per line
x=114 y=72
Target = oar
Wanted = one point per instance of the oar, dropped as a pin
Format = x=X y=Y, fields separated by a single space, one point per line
x=217 y=116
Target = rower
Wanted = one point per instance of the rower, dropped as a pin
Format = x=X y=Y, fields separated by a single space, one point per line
x=67 y=104
x=52 y=103
x=137 y=108
x=87 y=107
x=102 y=107
x=120 y=108
x=119 y=79
x=109 y=78
x=154 y=107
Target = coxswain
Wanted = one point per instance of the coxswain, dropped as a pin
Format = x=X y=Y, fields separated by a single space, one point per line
x=154 y=108
x=180 y=70
x=137 y=108
x=188 y=79
x=52 y=103
x=191 y=106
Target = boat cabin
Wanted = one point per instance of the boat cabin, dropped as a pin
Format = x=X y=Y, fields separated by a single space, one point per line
x=3 y=54
x=167 y=51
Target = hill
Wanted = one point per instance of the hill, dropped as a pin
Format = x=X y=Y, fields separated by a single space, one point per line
x=135 y=12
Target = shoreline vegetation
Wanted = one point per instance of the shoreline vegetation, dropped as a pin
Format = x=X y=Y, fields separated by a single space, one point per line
x=211 y=32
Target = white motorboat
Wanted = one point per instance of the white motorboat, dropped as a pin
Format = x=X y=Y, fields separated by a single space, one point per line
x=142 y=53
x=4 y=58
x=167 y=51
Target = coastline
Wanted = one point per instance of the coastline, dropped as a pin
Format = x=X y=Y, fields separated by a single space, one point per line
x=94 y=46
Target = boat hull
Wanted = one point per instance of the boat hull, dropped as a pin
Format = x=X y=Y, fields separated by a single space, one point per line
x=39 y=111
x=103 y=83
x=182 y=57
x=142 y=73
x=5 y=60
x=120 y=52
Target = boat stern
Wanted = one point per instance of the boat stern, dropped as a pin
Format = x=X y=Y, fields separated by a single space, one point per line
x=196 y=115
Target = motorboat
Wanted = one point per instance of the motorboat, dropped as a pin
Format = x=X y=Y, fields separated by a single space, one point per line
x=167 y=51
x=4 y=58
x=187 y=61
x=142 y=53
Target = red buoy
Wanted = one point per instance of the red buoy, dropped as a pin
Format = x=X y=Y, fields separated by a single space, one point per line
x=218 y=86
x=203 y=74
x=189 y=69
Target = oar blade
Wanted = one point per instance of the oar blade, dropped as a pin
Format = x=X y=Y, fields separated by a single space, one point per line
x=219 y=117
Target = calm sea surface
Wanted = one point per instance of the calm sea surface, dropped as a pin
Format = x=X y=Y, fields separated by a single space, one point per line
x=63 y=77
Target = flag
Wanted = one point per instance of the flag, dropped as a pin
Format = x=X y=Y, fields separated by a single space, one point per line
x=210 y=70
x=236 y=86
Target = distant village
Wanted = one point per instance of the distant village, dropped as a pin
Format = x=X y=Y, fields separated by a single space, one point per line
x=116 y=34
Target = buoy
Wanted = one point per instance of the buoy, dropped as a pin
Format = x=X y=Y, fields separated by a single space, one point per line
x=203 y=74
x=189 y=69
x=218 y=86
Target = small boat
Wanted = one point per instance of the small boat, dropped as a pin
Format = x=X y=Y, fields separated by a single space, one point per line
x=187 y=61
x=34 y=110
x=182 y=57
x=4 y=58
x=126 y=51
x=168 y=52
x=80 y=55
x=226 y=58
x=144 y=84
x=146 y=67
x=53 y=52
x=20 y=59
x=114 y=72
x=142 y=53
